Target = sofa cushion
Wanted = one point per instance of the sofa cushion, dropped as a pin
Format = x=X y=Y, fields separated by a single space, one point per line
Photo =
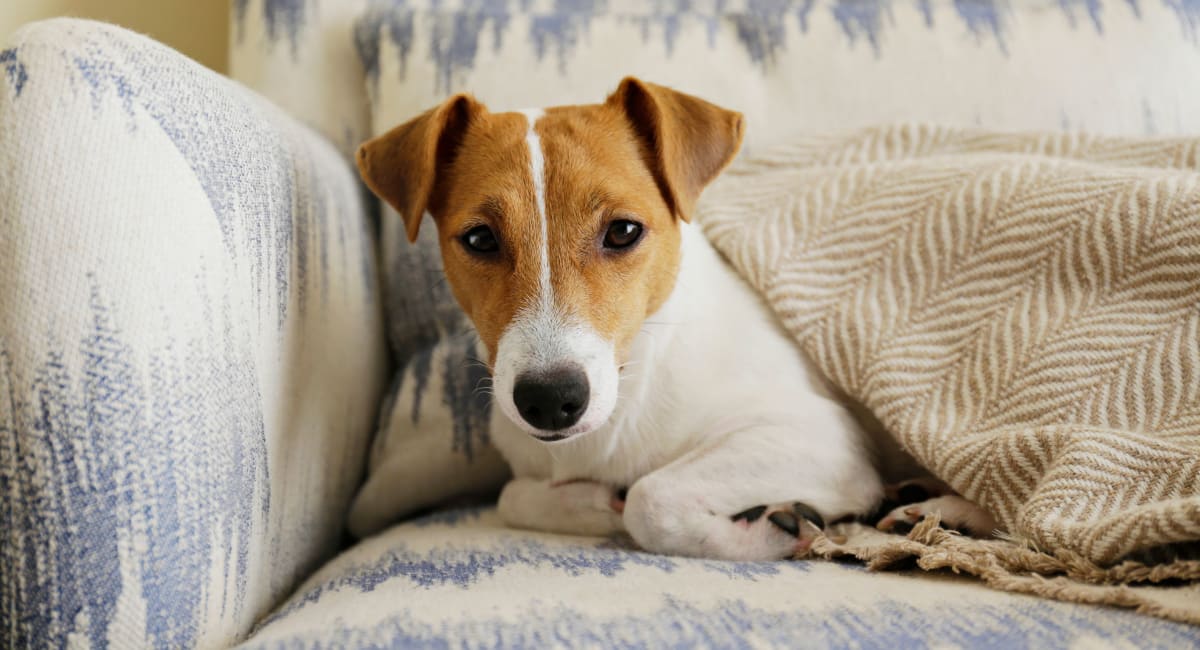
x=191 y=345
x=459 y=578
x=301 y=56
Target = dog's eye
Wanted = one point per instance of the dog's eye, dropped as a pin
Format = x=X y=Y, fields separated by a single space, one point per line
x=622 y=234
x=480 y=239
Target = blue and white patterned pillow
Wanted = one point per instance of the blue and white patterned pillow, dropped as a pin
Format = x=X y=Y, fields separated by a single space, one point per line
x=1107 y=66
x=300 y=54
x=795 y=66
x=191 y=345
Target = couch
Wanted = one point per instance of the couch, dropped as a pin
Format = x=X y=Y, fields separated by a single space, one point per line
x=206 y=323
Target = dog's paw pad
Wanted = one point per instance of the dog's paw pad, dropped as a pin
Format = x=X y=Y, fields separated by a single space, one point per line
x=808 y=513
x=797 y=520
x=749 y=515
x=785 y=521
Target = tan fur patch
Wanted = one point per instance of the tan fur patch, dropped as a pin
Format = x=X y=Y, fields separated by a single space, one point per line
x=643 y=155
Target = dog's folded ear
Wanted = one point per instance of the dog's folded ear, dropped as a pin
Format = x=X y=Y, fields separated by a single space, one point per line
x=402 y=166
x=686 y=140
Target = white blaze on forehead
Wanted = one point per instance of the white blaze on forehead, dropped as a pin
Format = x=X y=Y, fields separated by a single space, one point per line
x=537 y=171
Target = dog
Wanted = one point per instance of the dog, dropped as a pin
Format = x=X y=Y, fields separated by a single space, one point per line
x=624 y=349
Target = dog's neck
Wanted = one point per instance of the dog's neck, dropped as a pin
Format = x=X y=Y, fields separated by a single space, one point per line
x=676 y=349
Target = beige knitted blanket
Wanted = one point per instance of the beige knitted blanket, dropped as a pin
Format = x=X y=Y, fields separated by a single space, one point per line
x=1022 y=312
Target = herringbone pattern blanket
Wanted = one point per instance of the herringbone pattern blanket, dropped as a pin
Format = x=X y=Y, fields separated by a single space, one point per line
x=1022 y=312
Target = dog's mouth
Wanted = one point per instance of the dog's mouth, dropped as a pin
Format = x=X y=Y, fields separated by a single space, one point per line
x=551 y=437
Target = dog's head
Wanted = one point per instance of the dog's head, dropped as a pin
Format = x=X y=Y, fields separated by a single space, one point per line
x=559 y=230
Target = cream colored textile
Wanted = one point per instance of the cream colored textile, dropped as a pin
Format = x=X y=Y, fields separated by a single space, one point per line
x=1021 y=311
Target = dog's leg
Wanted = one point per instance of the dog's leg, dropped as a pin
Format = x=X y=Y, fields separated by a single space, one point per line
x=575 y=508
x=716 y=502
x=926 y=496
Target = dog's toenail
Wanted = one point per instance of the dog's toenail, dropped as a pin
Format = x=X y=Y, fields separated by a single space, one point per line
x=808 y=512
x=750 y=515
x=622 y=493
x=786 y=521
x=912 y=493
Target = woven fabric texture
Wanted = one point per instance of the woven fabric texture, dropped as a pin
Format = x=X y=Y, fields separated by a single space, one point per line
x=191 y=345
x=1021 y=311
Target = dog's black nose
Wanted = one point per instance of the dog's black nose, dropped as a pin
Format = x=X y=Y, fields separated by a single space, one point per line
x=552 y=400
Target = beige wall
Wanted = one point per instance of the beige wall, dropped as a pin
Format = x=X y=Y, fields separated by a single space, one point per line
x=198 y=28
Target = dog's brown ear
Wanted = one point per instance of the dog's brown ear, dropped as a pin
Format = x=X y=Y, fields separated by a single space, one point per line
x=686 y=140
x=402 y=166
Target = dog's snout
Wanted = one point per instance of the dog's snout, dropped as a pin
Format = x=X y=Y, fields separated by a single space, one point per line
x=552 y=400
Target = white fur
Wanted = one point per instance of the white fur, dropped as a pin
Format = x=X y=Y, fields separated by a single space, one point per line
x=545 y=335
x=537 y=172
x=718 y=412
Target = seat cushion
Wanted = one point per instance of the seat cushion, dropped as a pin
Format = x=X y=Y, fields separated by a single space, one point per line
x=459 y=578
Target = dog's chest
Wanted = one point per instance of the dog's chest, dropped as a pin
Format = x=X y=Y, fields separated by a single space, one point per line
x=632 y=445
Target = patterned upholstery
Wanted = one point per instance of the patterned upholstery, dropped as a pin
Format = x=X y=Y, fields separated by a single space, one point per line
x=794 y=66
x=300 y=54
x=460 y=579
x=191 y=345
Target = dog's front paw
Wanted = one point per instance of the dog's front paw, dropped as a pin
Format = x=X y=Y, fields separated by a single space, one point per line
x=954 y=512
x=575 y=507
x=783 y=530
x=584 y=494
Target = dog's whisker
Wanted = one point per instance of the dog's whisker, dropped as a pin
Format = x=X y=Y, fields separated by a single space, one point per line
x=473 y=362
x=485 y=381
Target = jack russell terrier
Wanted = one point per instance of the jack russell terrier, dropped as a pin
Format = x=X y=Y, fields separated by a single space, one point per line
x=622 y=346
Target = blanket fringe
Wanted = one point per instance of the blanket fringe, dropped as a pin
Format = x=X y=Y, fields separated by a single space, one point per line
x=1007 y=566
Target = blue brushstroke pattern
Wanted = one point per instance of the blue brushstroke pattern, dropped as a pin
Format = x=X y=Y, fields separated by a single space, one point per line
x=465 y=381
x=1188 y=13
x=380 y=20
x=400 y=572
x=983 y=17
x=733 y=623
x=14 y=69
x=926 y=9
x=117 y=440
x=455 y=40
x=219 y=158
x=163 y=446
x=761 y=28
x=283 y=19
x=758 y=25
x=464 y=567
x=863 y=18
x=1093 y=8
